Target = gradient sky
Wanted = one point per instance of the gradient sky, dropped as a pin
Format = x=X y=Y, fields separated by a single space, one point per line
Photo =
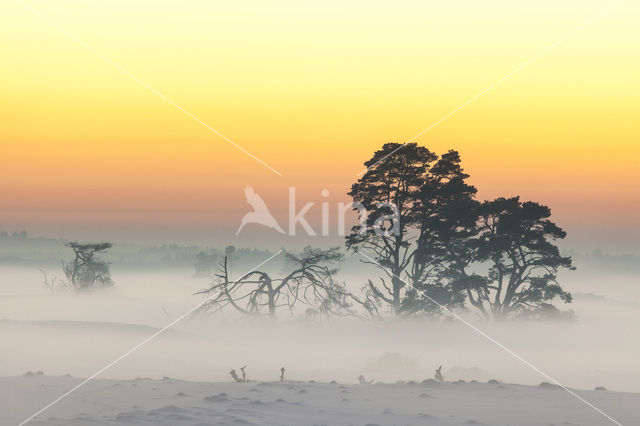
x=312 y=89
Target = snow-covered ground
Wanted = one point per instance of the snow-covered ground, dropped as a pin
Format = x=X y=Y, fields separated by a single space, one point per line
x=175 y=402
x=63 y=332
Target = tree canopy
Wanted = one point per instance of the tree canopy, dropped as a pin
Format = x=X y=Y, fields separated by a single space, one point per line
x=412 y=200
x=87 y=270
x=437 y=247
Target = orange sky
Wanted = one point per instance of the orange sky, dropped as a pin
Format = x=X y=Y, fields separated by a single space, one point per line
x=312 y=89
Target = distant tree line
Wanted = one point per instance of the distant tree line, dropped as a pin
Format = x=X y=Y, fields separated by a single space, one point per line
x=21 y=235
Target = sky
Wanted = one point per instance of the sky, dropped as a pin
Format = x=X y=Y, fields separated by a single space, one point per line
x=311 y=89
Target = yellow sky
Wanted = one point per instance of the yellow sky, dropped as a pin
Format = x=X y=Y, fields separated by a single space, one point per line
x=312 y=88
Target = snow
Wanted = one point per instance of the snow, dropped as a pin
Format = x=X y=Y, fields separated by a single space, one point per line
x=168 y=401
x=62 y=332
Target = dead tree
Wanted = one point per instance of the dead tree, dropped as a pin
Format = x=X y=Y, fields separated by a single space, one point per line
x=251 y=294
x=364 y=381
x=87 y=270
x=244 y=375
x=52 y=284
x=237 y=378
x=310 y=282
x=438 y=376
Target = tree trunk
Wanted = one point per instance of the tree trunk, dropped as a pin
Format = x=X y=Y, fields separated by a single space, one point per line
x=397 y=286
x=272 y=300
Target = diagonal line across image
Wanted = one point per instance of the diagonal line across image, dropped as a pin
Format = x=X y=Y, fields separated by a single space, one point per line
x=142 y=83
x=492 y=340
x=502 y=79
x=216 y=132
x=136 y=347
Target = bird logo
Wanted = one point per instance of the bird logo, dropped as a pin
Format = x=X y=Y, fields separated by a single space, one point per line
x=260 y=214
